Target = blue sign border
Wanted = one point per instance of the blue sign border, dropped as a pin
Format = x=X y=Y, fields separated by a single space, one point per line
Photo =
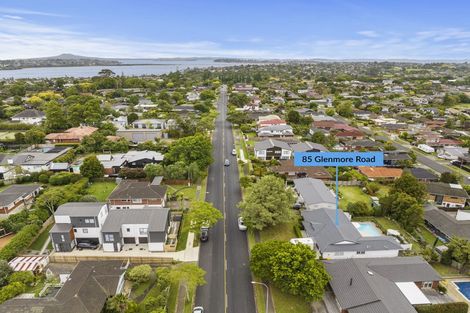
x=375 y=158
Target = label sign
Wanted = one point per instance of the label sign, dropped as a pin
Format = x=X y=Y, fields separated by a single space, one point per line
x=338 y=159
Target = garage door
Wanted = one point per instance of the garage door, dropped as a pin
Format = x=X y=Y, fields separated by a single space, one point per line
x=88 y=240
x=129 y=240
x=143 y=240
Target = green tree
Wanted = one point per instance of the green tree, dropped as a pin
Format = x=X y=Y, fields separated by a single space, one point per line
x=11 y=290
x=207 y=95
x=267 y=203
x=34 y=136
x=153 y=170
x=372 y=188
x=203 y=214
x=26 y=278
x=403 y=208
x=294 y=117
x=459 y=249
x=51 y=199
x=344 y=109
x=359 y=209
x=55 y=117
x=177 y=170
x=189 y=275
x=140 y=273
x=408 y=184
x=197 y=148
x=239 y=99
x=92 y=168
x=292 y=268
x=120 y=304
x=448 y=177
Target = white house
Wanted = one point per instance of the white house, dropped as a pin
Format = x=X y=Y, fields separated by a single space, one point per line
x=29 y=116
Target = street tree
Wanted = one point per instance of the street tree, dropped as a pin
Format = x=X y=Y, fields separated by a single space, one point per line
x=267 y=203
x=203 y=214
x=292 y=268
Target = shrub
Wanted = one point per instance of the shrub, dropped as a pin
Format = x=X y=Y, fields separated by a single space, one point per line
x=372 y=188
x=140 y=273
x=359 y=209
x=454 y=307
x=26 y=278
x=63 y=178
x=20 y=242
x=11 y=290
x=132 y=173
x=44 y=178
x=88 y=198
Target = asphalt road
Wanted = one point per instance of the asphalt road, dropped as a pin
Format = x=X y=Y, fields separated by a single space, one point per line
x=225 y=256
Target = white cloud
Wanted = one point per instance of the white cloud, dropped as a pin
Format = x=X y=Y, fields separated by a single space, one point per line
x=13 y=17
x=368 y=33
x=18 y=11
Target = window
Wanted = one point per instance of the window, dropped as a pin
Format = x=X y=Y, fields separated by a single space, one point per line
x=89 y=221
x=108 y=237
x=62 y=238
x=128 y=230
x=360 y=252
x=74 y=230
x=85 y=231
x=143 y=231
x=339 y=253
x=427 y=284
x=136 y=200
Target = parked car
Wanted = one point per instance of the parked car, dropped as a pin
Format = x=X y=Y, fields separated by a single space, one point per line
x=204 y=236
x=241 y=225
x=234 y=152
x=198 y=309
x=227 y=162
x=87 y=245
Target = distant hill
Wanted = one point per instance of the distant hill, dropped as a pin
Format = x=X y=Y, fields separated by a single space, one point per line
x=56 y=61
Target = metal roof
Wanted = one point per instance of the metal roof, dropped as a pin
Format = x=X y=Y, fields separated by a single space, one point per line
x=314 y=191
x=80 y=208
x=155 y=218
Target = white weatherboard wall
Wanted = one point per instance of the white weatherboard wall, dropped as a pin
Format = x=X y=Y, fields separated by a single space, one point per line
x=133 y=231
x=156 y=246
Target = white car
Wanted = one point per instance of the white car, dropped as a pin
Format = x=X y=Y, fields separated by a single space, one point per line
x=234 y=152
x=241 y=225
x=198 y=309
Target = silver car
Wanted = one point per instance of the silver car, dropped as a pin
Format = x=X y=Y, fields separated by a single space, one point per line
x=227 y=162
x=198 y=309
x=241 y=225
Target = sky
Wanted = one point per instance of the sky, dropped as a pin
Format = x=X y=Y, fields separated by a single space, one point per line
x=281 y=29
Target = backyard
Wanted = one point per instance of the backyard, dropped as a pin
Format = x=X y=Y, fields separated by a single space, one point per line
x=350 y=194
x=37 y=244
x=101 y=190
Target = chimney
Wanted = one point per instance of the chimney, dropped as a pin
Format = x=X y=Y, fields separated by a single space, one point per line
x=350 y=282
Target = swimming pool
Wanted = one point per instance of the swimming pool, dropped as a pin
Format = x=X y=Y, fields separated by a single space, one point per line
x=367 y=229
x=464 y=288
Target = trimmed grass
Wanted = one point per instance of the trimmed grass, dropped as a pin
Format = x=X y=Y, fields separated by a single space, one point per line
x=188 y=305
x=39 y=242
x=282 y=232
x=183 y=233
x=260 y=297
x=351 y=194
x=286 y=303
x=140 y=289
x=173 y=297
x=386 y=223
x=445 y=270
x=188 y=192
x=429 y=237
x=101 y=190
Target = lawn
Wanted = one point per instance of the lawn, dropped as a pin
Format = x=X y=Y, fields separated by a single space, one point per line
x=173 y=297
x=101 y=190
x=141 y=288
x=183 y=233
x=188 y=192
x=386 y=223
x=39 y=242
x=286 y=303
x=429 y=237
x=352 y=194
x=445 y=270
x=383 y=191
x=282 y=232
x=8 y=135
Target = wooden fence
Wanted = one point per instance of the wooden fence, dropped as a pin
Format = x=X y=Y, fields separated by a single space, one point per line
x=62 y=258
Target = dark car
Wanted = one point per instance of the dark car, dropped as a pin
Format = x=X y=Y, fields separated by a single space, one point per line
x=87 y=245
x=204 y=236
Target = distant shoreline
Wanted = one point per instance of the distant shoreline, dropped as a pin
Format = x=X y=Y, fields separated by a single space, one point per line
x=84 y=65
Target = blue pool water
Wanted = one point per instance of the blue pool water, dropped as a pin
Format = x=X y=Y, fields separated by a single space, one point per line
x=464 y=288
x=367 y=229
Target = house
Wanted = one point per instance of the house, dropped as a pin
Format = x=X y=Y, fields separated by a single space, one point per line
x=362 y=115
x=139 y=135
x=451 y=153
x=71 y=135
x=396 y=158
x=16 y=197
x=422 y=175
x=272 y=122
x=349 y=135
x=192 y=96
x=131 y=194
x=447 y=224
x=336 y=237
x=314 y=194
x=447 y=195
x=385 y=285
x=113 y=163
x=145 y=105
x=290 y=171
x=85 y=290
x=29 y=116
x=380 y=173
x=276 y=131
x=77 y=222
x=120 y=122
x=307 y=146
x=184 y=108
x=151 y=123
x=364 y=144
x=272 y=149
x=145 y=226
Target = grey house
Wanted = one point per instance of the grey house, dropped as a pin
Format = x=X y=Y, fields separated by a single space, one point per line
x=77 y=222
x=314 y=194
x=385 y=285
x=145 y=226
x=343 y=240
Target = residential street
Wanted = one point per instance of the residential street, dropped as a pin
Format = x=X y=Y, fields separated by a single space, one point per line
x=225 y=255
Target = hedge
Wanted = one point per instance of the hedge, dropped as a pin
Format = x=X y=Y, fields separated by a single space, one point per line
x=11 y=291
x=454 y=307
x=20 y=241
x=16 y=126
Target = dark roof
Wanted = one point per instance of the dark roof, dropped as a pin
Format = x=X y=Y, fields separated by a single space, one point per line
x=320 y=224
x=29 y=113
x=15 y=192
x=269 y=143
x=308 y=146
x=363 y=143
x=447 y=223
x=287 y=166
x=130 y=189
x=155 y=218
x=396 y=156
x=421 y=173
x=445 y=189
x=369 y=285
x=86 y=291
